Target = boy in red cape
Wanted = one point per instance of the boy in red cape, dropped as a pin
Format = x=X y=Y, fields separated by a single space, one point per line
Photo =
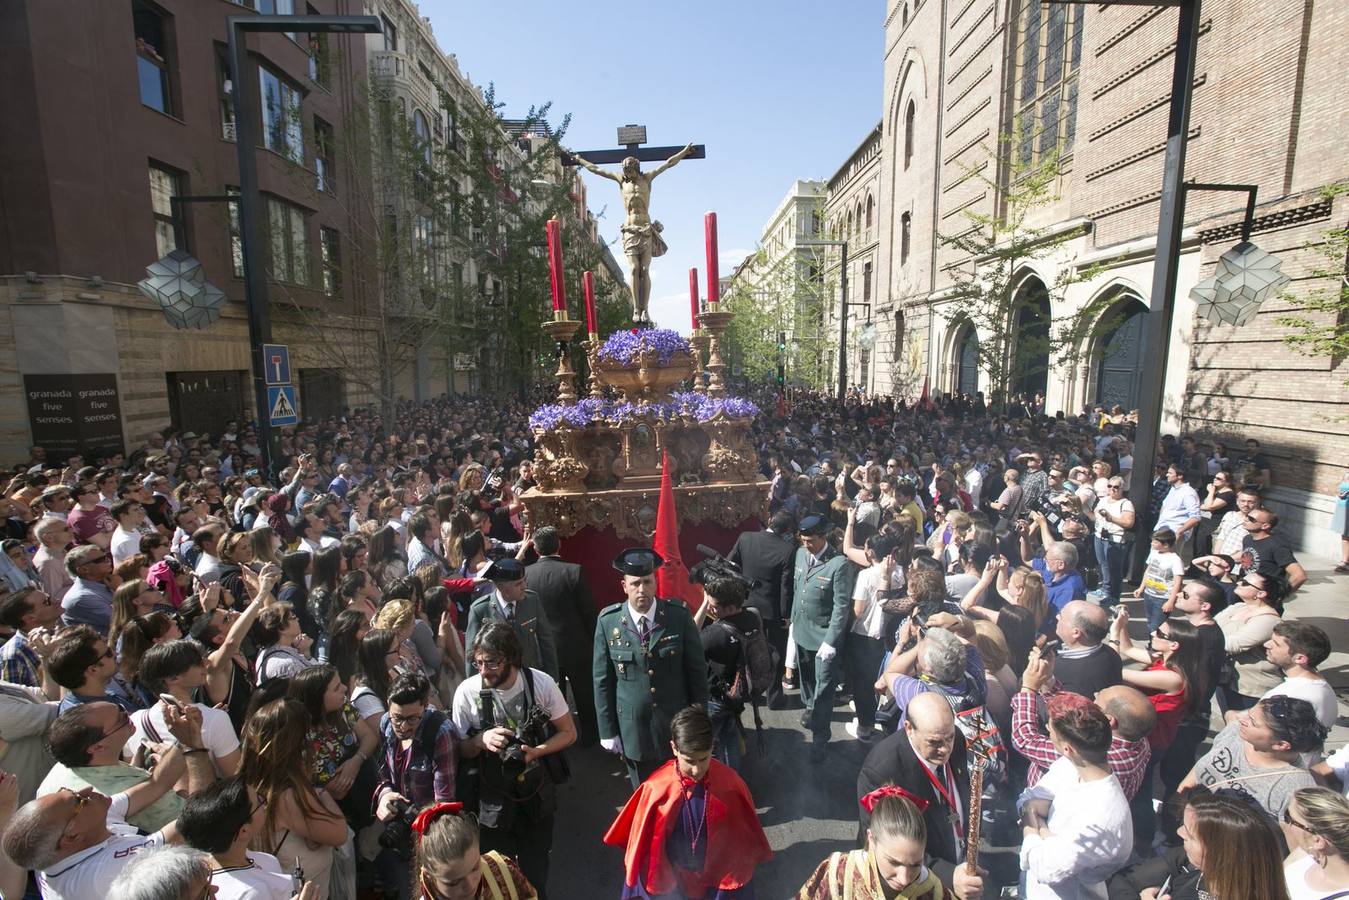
x=690 y=830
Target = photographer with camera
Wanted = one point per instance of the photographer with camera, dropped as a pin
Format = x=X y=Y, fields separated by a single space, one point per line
x=520 y=718
x=418 y=752
x=1056 y=563
x=727 y=628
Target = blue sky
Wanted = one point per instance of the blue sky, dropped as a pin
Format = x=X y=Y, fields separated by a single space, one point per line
x=776 y=90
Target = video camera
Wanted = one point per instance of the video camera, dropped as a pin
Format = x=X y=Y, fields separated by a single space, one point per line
x=717 y=566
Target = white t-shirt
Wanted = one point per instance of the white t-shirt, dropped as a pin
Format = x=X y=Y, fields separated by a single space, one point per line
x=868 y=583
x=262 y=879
x=1316 y=691
x=1339 y=764
x=1163 y=568
x=125 y=544
x=546 y=694
x=974 y=485
x=1295 y=874
x=1116 y=508
x=217 y=732
x=87 y=874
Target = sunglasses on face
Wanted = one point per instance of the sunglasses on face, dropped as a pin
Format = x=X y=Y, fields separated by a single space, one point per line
x=82 y=799
x=1289 y=820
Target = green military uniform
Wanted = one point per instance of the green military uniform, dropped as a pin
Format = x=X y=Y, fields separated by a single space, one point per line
x=821 y=613
x=641 y=683
x=530 y=624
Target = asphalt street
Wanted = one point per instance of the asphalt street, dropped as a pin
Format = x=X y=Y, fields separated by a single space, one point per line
x=807 y=811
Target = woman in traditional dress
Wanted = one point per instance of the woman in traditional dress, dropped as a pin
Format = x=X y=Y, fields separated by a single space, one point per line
x=891 y=864
x=450 y=866
x=690 y=831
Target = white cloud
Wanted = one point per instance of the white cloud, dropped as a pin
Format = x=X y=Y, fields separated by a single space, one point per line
x=672 y=311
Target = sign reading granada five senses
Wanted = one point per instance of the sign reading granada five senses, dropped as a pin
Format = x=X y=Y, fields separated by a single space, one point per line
x=71 y=414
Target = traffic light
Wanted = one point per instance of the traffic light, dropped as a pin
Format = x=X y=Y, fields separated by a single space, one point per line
x=782 y=358
x=782 y=342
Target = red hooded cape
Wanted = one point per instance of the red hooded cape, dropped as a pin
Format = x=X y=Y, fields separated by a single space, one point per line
x=736 y=843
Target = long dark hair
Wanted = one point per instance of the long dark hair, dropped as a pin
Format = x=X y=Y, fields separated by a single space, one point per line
x=343 y=644
x=1017 y=625
x=1188 y=661
x=294 y=566
x=327 y=566
x=309 y=687
x=1241 y=847
x=371 y=669
x=276 y=759
x=383 y=547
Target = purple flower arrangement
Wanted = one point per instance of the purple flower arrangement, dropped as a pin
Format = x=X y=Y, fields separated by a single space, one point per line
x=552 y=415
x=681 y=403
x=624 y=346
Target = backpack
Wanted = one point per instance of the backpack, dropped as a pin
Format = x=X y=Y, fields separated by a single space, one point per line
x=756 y=671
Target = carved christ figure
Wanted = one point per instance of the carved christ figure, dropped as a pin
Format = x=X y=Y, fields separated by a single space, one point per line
x=641 y=236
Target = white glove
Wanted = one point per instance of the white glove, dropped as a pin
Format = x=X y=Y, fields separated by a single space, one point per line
x=825 y=653
x=613 y=745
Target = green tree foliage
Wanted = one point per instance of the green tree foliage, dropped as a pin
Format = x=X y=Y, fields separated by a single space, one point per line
x=1320 y=326
x=448 y=243
x=790 y=296
x=989 y=289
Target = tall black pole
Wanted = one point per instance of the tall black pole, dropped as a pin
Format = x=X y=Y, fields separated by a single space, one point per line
x=843 y=323
x=250 y=239
x=1157 y=327
x=246 y=139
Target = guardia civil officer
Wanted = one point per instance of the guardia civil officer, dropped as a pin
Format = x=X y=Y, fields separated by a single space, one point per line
x=648 y=665
x=511 y=603
x=821 y=605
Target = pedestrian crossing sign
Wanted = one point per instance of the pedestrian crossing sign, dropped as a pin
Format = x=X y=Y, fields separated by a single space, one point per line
x=281 y=405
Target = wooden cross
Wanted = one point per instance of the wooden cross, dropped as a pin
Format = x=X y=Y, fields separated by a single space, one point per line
x=632 y=137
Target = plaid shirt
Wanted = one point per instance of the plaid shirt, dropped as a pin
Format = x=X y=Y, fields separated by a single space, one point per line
x=1128 y=760
x=19 y=663
x=409 y=772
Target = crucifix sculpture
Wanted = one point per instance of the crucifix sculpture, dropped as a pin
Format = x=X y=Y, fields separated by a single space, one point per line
x=641 y=234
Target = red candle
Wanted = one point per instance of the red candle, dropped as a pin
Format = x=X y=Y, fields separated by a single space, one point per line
x=713 y=281
x=693 y=297
x=588 y=287
x=554 y=232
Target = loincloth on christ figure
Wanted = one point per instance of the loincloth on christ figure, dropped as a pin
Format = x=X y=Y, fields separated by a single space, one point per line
x=637 y=238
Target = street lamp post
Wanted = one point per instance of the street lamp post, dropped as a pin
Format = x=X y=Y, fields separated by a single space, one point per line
x=842 y=311
x=250 y=237
x=1166 y=261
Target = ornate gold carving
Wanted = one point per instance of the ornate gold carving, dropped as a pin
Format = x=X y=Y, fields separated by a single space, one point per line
x=557 y=466
x=631 y=512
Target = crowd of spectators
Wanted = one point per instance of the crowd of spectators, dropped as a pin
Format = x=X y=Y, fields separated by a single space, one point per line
x=281 y=669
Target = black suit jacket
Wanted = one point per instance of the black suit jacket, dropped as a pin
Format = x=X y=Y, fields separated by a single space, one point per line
x=767 y=558
x=569 y=606
x=893 y=761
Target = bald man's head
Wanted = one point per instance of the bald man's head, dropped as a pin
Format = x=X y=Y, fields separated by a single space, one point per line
x=1132 y=715
x=1082 y=624
x=930 y=726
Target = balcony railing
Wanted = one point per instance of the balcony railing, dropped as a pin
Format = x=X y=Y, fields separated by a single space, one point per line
x=394 y=65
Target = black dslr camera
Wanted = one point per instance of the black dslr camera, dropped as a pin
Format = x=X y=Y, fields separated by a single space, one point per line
x=397 y=833
x=531 y=733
